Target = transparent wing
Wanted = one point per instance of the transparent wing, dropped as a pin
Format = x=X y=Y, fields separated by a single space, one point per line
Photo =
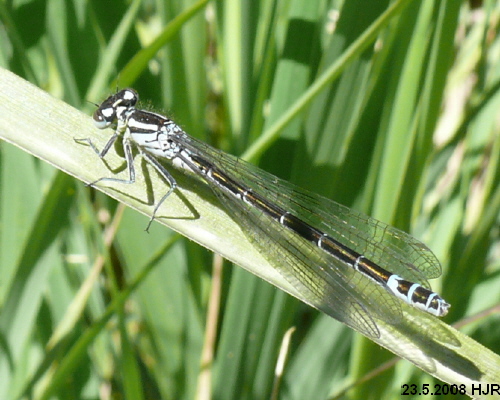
x=329 y=284
x=325 y=282
x=389 y=247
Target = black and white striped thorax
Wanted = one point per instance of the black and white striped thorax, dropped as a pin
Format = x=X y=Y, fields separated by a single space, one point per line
x=158 y=136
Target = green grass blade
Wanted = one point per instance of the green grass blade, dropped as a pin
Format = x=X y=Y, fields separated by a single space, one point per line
x=56 y=147
x=135 y=66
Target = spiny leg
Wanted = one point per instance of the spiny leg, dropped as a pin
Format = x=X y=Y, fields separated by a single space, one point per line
x=106 y=148
x=131 y=169
x=166 y=177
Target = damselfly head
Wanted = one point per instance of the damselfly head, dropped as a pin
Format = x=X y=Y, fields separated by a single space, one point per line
x=114 y=106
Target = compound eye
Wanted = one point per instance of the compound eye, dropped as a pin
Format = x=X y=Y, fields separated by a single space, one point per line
x=104 y=117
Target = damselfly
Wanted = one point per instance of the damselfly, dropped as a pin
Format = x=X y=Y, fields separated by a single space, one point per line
x=337 y=258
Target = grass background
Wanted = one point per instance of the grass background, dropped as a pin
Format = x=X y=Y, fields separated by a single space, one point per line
x=405 y=130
